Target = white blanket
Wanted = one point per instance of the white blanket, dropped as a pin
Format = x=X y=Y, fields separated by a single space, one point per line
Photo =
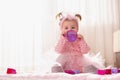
x=59 y=76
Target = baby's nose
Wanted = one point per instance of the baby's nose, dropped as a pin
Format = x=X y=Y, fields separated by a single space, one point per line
x=69 y=29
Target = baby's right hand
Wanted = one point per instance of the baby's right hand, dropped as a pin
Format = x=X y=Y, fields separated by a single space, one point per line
x=64 y=34
x=64 y=37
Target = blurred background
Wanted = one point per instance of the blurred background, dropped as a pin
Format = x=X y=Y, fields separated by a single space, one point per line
x=29 y=29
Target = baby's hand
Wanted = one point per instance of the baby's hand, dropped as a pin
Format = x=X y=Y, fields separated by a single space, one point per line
x=64 y=36
x=80 y=36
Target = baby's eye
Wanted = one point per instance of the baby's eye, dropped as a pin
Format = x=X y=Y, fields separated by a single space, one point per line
x=66 y=27
x=73 y=27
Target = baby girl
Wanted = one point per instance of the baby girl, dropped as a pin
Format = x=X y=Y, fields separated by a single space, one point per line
x=71 y=52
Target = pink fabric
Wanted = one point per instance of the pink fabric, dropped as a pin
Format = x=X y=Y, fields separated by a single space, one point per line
x=72 y=53
x=78 y=47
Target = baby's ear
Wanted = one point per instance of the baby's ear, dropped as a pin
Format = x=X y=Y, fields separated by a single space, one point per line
x=59 y=16
x=78 y=16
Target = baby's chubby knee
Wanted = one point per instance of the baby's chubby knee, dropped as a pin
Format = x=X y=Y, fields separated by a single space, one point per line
x=57 y=68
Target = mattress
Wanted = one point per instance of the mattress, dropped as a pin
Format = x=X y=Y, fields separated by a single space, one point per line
x=58 y=76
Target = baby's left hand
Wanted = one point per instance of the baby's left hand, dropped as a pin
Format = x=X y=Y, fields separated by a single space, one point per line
x=80 y=36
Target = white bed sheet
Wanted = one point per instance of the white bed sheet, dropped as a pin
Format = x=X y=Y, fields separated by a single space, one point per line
x=59 y=76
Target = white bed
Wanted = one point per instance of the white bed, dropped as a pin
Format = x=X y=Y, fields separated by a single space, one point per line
x=45 y=73
x=58 y=76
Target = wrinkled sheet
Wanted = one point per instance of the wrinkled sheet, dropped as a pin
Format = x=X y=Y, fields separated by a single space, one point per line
x=58 y=76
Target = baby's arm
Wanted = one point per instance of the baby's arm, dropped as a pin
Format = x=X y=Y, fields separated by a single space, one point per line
x=84 y=48
x=60 y=47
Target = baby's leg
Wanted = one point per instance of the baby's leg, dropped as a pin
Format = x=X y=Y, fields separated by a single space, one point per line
x=90 y=69
x=91 y=66
x=57 y=68
x=60 y=64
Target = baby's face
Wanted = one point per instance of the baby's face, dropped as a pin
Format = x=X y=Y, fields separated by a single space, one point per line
x=69 y=25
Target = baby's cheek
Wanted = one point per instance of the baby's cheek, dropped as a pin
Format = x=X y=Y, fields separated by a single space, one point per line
x=64 y=31
x=76 y=29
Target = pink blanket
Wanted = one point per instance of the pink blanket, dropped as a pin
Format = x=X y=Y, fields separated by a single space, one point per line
x=59 y=76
